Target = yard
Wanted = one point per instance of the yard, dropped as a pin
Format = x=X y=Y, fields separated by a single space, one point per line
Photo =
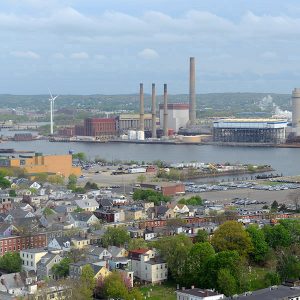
x=158 y=292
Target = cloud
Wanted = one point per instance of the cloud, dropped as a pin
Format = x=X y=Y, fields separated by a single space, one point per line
x=58 y=56
x=100 y=56
x=25 y=54
x=148 y=53
x=269 y=55
x=79 y=55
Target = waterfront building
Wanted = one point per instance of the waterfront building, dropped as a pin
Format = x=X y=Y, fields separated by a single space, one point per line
x=38 y=163
x=269 y=131
x=178 y=115
x=100 y=126
x=127 y=122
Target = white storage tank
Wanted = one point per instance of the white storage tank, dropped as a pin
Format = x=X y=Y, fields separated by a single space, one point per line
x=140 y=135
x=131 y=134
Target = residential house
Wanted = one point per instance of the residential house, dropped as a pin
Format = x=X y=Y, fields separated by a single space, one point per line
x=122 y=265
x=179 y=209
x=149 y=234
x=7 y=229
x=17 y=284
x=87 y=204
x=30 y=258
x=95 y=253
x=80 y=242
x=147 y=266
x=117 y=251
x=134 y=213
x=81 y=220
x=135 y=232
x=110 y=216
x=60 y=244
x=18 y=213
x=45 y=265
x=99 y=269
x=198 y=294
x=164 y=212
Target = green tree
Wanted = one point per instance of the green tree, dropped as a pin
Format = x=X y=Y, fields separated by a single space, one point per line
x=277 y=236
x=56 y=179
x=11 y=262
x=175 y=250
x=260 y=246
x=150 y=196
x=80 y=156
x=135 y=294
x=141 y=178
x=201 y=236
x=232 y=236
x=137 y=244
x=194 y=201
x=198 y=257
x=4 y=183
x=87 y=283
x=62 y=268
x=274 y=205
x=41 y=177
x=12 y=193
x=115 y=236
x=226 y=283
x=293 y=227
x=288 y=266
x=114 y=286
x=229 y=260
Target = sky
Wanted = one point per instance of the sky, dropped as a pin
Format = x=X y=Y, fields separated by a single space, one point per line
x=109 y=47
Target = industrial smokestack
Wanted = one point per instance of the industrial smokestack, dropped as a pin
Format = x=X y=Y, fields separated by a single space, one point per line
x=192 y=94
x=142 y=107
x=296 y=111
x=153 y=111
x=165 y=110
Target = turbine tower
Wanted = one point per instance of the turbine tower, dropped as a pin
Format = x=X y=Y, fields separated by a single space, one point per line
x=52 y=100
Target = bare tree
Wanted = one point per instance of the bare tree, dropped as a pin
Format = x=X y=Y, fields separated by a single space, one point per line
x=295 y=198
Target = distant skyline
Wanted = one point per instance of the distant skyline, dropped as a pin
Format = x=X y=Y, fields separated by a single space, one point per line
x=109 y=47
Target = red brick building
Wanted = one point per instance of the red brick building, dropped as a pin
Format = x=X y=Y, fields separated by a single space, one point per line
x=18 y=243
x=100 y=126
x=66 y=131
x=166 y=188
x=79 y=130
x=5 y=204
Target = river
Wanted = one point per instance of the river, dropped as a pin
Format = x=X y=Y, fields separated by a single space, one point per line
x=283 y=160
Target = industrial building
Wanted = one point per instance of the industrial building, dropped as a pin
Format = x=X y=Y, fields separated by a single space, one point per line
x=296 y=112
x=269 y=131
x=100 y=126
x=38 y=163
x=177 y=115
x=127 y=122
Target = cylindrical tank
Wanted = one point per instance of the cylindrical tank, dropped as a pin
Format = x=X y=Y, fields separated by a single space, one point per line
x=296 y=111
x=140 y=135
x=131 y=134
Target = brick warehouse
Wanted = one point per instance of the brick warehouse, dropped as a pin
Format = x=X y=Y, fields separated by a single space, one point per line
x=100 y=126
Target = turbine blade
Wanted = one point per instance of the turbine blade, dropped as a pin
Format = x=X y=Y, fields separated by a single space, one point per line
x=50 y=93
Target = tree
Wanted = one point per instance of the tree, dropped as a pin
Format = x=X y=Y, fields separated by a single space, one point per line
x=87 y=283
x=194 y=201
x=56 y=179
x=293 y=227
x=12 y=193
x=277 y=236
x=114 y=286
x=198 y=257
x=4 y=183
x=260 y=246
x=226 y=283
x=91 y=186
x=288 y=266
x=274 y=205
x=150 y=196
x=175 y=251
x=295 y=197
x=61 y=269
x=80 y=156
x=141 y=178
x=201 y=237
x=137 y=244
x=11 y=262
x=232 y=236
x=41 y=177
x=115 y=236
x=229 y=260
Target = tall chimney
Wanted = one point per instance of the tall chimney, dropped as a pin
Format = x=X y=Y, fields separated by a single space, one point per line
x=142 y=107
x=165 y=110
x=153 y=111
x=192 y=95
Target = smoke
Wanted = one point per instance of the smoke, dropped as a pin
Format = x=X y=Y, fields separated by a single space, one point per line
x=267 y=104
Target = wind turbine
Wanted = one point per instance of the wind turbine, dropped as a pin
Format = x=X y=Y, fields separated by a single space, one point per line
x=52 y=99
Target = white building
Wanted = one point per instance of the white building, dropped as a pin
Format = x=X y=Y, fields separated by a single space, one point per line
x=178 y=115
x=30 y=258
x=198 y=294
x=146 y=266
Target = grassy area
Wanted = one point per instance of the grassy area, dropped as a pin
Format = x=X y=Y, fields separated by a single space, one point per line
x=158 y=292
x=257 y=278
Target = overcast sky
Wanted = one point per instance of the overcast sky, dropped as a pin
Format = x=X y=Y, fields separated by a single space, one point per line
x=108 y=47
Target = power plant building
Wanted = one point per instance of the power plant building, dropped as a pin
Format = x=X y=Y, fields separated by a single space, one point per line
x=132 y=122
x=177 y=114
x=269 y=131
x=100 y=126
x=296 y=112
